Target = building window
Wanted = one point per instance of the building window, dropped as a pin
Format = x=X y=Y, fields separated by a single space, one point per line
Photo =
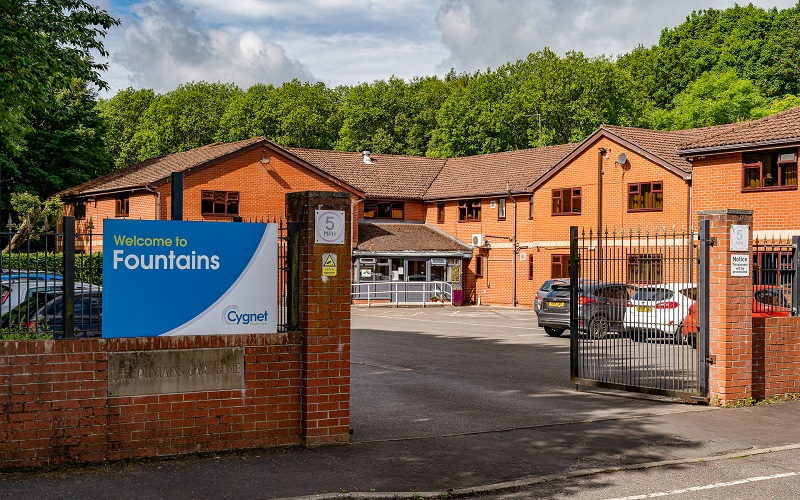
x=643 y=268
x=645 y=197
x=220 y=203
x=469 y=210
x=769 y=170
x=122 y=205
x=440 y=212
x=501 y=209
x=567 y=201
x=80 y=210
x=559 y=267
x=530 y=267
x=479 y=266
x=383 y=209
x=530 y=208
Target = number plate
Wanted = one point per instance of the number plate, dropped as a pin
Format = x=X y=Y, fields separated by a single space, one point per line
x=556 y=304
x=644 y=309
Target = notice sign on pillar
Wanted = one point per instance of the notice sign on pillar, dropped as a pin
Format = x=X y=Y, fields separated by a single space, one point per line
x=740 y=265
x=329 y=265
x=329 y=227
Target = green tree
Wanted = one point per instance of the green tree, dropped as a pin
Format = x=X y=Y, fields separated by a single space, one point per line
x=185 y=118
x=44 y=45
x=713 y=99
x=294 y=114
x=33 y=215
x=65 y=145
x=121 y=115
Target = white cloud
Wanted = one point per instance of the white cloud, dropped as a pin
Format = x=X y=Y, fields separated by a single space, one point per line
x=167 y=44
x=480 y=34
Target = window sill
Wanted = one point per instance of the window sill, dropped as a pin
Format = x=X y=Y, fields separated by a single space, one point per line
x=769 y=188
x=559 y=214
x=639 y=210
x=469 y=220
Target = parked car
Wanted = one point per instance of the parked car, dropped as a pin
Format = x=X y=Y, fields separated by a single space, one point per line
x=87 y=308
x=660 y=309
x=768 y=300
x=543 y=291
x=601 y=308
x=17 y=290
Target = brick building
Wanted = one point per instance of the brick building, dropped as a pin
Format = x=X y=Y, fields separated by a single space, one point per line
x=494 y=225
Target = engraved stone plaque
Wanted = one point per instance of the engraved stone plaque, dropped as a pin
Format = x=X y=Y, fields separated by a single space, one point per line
x=175 y=371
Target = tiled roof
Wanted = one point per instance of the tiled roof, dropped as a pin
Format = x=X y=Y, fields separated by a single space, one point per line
x=155 y=169
x=487 y=174
x=390 y=176
x=663 y=143
x=777 y=128
x=405 y=237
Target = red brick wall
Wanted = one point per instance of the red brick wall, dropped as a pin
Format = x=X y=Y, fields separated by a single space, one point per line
x=717 y=184
x=776 y=357
x=56 y=409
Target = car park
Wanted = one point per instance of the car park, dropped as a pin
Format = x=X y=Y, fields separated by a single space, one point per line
x=27 y=315
x=660 y=309
x=87 y=310
x=17 y=290
x=601 y=308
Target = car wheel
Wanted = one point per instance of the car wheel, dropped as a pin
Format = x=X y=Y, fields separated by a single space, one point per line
x=553 y=332
x=598 y=328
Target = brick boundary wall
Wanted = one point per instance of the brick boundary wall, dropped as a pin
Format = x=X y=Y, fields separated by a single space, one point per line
x=776 y=357
x=56 y=408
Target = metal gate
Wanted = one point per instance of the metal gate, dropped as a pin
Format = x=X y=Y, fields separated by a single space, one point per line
x=638 y=310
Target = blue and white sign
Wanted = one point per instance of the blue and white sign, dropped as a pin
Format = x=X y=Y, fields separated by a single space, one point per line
x=188 y=278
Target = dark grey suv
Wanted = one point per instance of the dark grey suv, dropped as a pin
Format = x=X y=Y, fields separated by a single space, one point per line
x=601 y=308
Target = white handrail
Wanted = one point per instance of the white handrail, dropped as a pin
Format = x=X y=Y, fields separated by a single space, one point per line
x=374 y=290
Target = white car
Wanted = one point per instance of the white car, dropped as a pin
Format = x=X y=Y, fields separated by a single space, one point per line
x=660 y=308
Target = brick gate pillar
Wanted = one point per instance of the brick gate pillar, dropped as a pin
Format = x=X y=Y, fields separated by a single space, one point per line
x=730 y=331
x=324 y=313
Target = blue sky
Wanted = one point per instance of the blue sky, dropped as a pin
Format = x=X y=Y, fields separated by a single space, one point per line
x=163 y=43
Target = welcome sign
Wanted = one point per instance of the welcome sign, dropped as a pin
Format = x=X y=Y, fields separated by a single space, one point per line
x=188 y=278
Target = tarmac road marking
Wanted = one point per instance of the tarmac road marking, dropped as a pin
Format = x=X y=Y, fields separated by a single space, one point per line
x=708 y=486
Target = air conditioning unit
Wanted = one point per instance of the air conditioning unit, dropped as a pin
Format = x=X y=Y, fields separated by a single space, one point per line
x=478 y=240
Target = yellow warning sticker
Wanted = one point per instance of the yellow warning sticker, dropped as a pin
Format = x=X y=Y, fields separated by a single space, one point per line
x=329 y=264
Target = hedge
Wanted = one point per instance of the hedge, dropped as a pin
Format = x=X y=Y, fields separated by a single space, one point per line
x=88 y=267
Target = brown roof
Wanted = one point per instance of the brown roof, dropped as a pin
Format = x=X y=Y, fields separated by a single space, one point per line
x=664 y=144
x=155 y=169
x=389 y=176
x=781 y=128
x=405 y=237
x=487 y=174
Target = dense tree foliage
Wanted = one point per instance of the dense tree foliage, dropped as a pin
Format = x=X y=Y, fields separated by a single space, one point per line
x=43 y=46
x=122 y=115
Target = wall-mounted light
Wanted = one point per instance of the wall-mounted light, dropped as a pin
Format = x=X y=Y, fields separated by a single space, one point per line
x=265 y=159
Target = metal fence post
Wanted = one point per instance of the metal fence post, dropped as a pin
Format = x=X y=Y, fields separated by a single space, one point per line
x=69 y=277
x=705 y=298
x=573 y=302
x=293 y=283
x=796 y=275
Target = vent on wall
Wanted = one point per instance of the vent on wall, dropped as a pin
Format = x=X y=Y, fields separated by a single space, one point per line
x=523 y=256
x=478 y=240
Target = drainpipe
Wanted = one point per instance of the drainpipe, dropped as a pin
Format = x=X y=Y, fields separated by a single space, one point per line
x=600 y=153
x=158 y=200
x=514 y=249
x=352 y=246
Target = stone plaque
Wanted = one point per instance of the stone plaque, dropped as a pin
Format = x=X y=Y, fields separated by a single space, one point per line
x=175 y=371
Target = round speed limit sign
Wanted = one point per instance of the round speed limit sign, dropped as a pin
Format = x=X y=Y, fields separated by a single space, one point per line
x=329 y=227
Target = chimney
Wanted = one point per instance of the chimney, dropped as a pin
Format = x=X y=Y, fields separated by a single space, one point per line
x=367 y=159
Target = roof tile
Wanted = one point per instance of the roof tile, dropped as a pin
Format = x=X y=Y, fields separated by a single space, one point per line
x=405 y=237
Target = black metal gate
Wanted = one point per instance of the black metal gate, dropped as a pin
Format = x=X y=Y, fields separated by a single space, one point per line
x=638 y=311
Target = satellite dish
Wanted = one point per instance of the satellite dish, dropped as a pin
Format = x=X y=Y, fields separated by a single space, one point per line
x=623 y=159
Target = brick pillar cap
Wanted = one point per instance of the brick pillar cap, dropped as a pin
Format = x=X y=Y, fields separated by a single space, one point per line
x=724 y=211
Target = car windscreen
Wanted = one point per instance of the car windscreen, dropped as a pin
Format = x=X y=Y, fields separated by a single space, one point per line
x=653 y=294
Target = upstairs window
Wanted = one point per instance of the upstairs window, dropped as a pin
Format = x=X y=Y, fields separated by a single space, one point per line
x=440 y=212
x=530 y=208
x=645 y=197
x=644 y=268
x=469 y=210
x=122 y=205
x=501 y=208
x=567 y=201
x=220 y=203
x=383 y=210
x=772 y=169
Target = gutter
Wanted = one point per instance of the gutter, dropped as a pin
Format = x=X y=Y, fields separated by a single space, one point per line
x=752 y=146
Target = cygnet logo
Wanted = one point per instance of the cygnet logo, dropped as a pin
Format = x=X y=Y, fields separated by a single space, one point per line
x=231 y=316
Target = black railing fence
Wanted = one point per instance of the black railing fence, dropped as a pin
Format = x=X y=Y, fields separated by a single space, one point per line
x=42 y=271
x=775 y=274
